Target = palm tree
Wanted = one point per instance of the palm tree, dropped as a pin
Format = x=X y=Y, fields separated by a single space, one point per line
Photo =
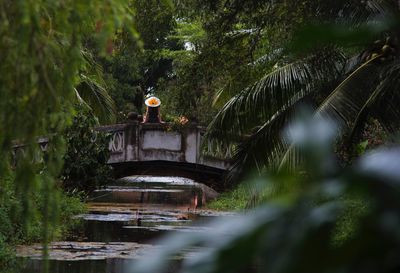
x=346 y=90
x=91 y=90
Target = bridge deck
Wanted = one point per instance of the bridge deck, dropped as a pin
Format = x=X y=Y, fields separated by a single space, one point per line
x=137 y=144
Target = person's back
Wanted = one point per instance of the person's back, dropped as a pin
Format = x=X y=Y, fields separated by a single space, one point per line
x=152 y=115
x=153 y=110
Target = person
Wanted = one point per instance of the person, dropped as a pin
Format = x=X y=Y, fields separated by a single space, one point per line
x=153 y=110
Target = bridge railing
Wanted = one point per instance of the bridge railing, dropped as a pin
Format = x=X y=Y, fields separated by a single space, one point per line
x=156 y=142
x=146 y=142
x=117 y=142
x=216 y=149
x=18 y=151
x=119 y=138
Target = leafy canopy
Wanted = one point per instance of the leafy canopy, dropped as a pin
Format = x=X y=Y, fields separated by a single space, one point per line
x=343 y=77
x=42 y=55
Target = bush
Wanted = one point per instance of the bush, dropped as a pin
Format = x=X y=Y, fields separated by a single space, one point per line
x=85 y=162
x=18 y=228
x=236 y=199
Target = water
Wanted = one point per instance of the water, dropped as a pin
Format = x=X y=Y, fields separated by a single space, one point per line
x=123 y=221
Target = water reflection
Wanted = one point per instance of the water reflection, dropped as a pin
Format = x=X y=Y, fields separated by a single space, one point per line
x=89 y=266
x=123 y=219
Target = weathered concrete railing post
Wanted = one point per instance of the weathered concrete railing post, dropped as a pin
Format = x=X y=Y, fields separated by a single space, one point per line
x=123 y=143
x=154 y=148
x=141 y=142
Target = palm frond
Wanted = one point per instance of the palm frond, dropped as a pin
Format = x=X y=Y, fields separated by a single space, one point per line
x=353 y=63
x=97 y=98
x=254 y=70
x=387 y=108
x=381 y=8
x=344 y=104
x=369 y=11
x=269 y=57
x=346 y=101
x=92 y=92
x=262 y=100
x=363 y=114
x=265 y=146
x=385 y=93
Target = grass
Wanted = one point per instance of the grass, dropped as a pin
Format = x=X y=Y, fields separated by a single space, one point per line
x=346 y=226
x=348 y=223
x=233 y=200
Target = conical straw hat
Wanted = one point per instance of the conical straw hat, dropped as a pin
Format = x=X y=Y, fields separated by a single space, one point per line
x=152 y=102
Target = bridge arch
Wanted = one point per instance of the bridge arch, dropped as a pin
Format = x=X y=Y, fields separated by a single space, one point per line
x=156 y=149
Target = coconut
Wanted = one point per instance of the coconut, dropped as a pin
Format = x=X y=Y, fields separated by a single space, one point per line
x=386 y=49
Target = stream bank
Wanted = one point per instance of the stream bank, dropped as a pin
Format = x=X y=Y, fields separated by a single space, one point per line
x=123 y=221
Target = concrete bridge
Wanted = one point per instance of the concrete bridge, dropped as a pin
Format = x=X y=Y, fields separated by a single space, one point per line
x=158 y=149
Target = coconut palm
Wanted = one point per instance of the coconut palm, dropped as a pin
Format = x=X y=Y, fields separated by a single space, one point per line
x=91 y=90
x=346 y=90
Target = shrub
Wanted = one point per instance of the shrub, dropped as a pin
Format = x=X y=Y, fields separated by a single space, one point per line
x=18 y=228
x=87 y=153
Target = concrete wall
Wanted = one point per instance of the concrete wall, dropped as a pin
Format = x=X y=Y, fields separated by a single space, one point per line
x=160 y=140
x=135 y=142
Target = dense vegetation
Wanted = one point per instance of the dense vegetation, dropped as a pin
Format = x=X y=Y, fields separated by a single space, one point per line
x=249 y=66
x=86 y=156
x=245 y=69
x=45 y=71
x=338 y=70
x=16 y=229
x=340 y=59
x=311 y=224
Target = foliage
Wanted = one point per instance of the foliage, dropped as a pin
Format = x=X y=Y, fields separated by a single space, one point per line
x=297 y=231
x=184 y=60
x=71 y=205
x=236 y=199
x=135 y=67
x=85 y=161
x=347 y=225
x=6 y=226
x=337 y=85
x=13 y=229
x=91 y=90
x=42 y=61
x=230 y=45
x=207 y=64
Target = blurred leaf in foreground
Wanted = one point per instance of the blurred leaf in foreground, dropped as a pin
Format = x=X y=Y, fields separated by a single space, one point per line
x=299 y=236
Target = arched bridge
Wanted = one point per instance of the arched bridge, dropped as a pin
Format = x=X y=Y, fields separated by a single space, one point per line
x=158 y=149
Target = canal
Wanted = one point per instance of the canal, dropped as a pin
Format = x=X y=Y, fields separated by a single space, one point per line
x=123 y=221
